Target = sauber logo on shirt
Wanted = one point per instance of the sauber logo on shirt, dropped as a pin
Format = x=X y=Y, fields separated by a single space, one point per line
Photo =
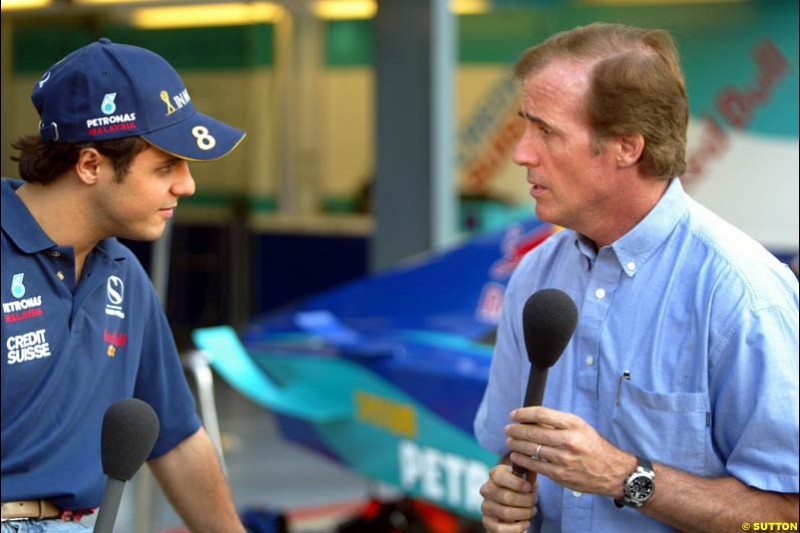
x=27 y=347
x=115 y=291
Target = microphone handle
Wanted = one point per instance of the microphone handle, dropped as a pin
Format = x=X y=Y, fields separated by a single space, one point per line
x=537 y=379
x=109 y=506
x=519 y=471
x=534 y=394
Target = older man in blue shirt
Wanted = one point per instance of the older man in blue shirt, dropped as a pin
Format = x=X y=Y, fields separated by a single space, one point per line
x=674 y=406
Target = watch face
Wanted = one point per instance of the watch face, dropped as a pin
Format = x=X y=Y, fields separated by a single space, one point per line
x=640 y=488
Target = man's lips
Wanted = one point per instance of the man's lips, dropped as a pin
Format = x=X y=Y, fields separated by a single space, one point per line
x=536 y=189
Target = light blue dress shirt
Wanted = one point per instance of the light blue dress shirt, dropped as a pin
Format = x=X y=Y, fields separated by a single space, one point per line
x=703 y=320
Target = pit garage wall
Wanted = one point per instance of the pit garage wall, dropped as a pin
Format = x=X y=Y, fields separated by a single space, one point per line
x=741 y=62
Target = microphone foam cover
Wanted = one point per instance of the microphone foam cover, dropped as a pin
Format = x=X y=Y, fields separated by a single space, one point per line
x=548 y=321
x=130 y=428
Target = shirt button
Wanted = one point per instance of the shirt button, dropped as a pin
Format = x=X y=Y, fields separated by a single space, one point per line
x=589 y=360
x=631 y=266
x=577 y=494
x=54 y=253
x=600 y=293
x=60 y=275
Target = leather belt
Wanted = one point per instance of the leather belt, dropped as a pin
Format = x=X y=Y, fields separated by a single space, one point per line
x=30 y=509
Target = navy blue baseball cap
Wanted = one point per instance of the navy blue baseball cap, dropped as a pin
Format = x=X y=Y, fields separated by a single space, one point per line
x=108 y=91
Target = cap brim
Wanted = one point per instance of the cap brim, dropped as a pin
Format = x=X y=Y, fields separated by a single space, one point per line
x=198 y=138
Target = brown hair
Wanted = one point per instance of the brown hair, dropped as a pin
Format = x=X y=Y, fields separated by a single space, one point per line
x=637 y=86
x=42 y=162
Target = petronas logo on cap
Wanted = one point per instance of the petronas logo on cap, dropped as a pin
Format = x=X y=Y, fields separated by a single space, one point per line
x=108 y=106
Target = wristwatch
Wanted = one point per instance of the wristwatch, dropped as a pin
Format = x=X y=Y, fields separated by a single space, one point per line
x=639 y=486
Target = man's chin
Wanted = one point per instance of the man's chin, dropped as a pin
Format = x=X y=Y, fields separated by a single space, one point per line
x=145 y=235
x=544 y=214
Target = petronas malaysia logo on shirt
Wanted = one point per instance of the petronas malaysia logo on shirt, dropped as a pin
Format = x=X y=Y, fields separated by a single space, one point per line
x=21 y=308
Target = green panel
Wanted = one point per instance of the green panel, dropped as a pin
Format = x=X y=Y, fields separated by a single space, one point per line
x=213 y=199
x=256 y=204
x=500 y=36
x=267 y=204
x=228 y=47
x=339 y=204
x=529 y=3
x=37 y=47
x=263 y=204
x=349 y=43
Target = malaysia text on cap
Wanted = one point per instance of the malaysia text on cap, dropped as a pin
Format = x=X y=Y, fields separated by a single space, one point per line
x=108 y=91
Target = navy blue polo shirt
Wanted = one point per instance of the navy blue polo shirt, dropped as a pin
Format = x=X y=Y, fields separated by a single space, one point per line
x=70 y=350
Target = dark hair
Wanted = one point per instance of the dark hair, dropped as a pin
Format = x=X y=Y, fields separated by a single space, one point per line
x=637 y=86
x=42 y=162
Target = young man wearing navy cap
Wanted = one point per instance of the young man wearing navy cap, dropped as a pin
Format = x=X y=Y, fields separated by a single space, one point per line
x=82 y=326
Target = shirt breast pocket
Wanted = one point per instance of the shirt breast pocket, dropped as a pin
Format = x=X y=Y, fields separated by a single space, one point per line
x=669 y=428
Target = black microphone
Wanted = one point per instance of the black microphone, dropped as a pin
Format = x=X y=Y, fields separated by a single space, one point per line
x=548 y=321
x=130 y=428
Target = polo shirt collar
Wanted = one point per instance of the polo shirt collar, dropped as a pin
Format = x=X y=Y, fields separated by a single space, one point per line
x=20 y=226
x=18 y=222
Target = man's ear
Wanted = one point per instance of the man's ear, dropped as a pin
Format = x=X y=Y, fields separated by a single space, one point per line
x=629 y=149
x=89 y=165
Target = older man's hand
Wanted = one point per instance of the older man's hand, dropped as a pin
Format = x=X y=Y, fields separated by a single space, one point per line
x=509 y=501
